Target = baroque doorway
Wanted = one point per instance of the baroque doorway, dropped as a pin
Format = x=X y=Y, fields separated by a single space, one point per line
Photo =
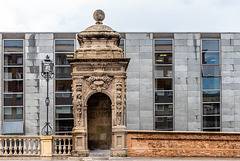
x=99 y=120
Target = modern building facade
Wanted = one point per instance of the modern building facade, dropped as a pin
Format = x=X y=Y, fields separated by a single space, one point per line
x=176 y=81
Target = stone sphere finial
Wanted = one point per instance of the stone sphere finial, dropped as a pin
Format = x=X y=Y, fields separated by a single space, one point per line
x=98 y=16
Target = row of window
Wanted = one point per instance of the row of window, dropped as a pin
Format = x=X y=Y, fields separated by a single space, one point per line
x=164 y=95
x=211 y=85
x=211 y=95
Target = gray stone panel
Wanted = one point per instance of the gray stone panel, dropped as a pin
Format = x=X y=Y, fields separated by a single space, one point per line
x=139 y=81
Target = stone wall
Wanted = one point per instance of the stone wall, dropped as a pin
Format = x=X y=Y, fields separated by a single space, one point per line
x=171 y=144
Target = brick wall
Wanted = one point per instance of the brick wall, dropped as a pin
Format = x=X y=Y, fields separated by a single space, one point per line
x=206 y=144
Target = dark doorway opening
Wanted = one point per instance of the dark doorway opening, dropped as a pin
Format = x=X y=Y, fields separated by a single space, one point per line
x=99 y=121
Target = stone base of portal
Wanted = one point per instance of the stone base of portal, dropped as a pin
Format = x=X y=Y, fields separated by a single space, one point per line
x=80 y=153
x=119 y=152
x=119 y=148
x=80 y=148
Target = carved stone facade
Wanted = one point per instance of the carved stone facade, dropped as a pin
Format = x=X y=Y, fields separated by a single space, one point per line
x=99 y=67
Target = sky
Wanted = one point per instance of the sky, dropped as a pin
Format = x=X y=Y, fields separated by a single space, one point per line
x=121 y=15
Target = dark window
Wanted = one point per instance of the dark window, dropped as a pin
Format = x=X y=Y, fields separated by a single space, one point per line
x=63 y=72
x=13 y=59
x=63 y=98
x=61 y=58
x=64 y=125
x=163 y=84
x=211 y=121
x=164 y=123
x=13 y=86
x=63 y=85
x=163 y=96
x=13 y=99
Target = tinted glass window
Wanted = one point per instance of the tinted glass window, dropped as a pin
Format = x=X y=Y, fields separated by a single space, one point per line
x=163 y=45
x=211 y=96
x=210 y=58
x=63 y=72
x=211 y=121
x=13 y=99
x=13 y=86
x=211 y=108
x=210 y=83
x=121 y=45
x=64 y=125
x=163 y=58
x=13 y=59
x=64 y=112
x=163 y=96
x=63 y=98
x=61 y=58
x=164 y=123
x=211 y=70
x=13 y=113
x=13 y=73
x=163 y=110
x=163 y=71
x=64 y=46
x=163 y=84
x=13 y=45
x=63 y=85
x=210 y=45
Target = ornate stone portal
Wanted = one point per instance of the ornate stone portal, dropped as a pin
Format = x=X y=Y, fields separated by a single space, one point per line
x=98 y=66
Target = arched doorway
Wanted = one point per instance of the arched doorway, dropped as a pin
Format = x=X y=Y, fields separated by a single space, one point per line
x=99 y=122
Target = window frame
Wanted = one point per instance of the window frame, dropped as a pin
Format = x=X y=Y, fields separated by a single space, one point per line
x=63 y=92
x=220 y=87
x=3 y=66
x=163 y=77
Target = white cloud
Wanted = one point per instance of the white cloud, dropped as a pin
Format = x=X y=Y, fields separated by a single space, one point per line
x=121 y=15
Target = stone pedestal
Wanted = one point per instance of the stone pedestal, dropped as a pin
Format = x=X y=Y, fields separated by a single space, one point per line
x=46 y=145
x=79 y=143
x=119 y=142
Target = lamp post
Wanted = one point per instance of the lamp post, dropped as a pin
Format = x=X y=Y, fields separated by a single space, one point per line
x=47 y=73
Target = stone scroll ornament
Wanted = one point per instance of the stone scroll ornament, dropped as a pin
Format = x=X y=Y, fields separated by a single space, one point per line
x=119 y=102
x=78 y=103
x=99 y=83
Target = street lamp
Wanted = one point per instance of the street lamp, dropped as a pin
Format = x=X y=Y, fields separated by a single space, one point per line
x=47 y=73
